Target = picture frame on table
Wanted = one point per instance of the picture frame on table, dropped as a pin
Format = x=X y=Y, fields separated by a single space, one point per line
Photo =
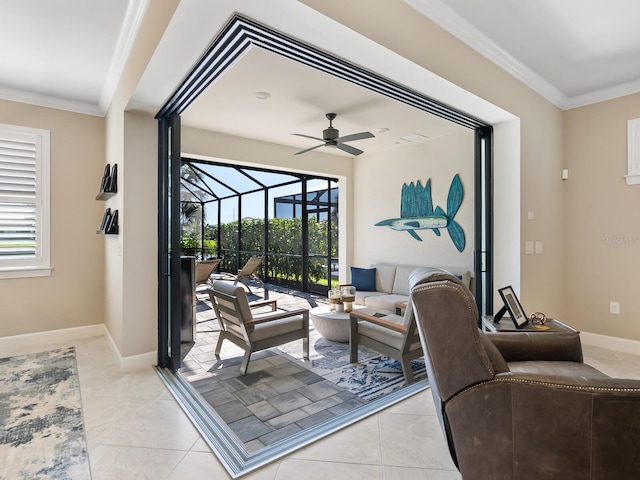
x=513 y=306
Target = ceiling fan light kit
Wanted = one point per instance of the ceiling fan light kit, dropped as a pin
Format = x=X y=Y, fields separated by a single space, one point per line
x=332 y=139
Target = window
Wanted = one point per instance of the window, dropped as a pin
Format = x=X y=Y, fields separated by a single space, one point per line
x=24 y=202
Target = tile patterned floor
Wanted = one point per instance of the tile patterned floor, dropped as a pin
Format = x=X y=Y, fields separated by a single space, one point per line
x=277 y=398
x=136 y=430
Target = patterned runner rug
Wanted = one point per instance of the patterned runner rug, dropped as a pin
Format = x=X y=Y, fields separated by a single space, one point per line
x=41 y=428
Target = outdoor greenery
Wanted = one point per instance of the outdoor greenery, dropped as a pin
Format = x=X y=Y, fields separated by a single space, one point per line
x=284 y=249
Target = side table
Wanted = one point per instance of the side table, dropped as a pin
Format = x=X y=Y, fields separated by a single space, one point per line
x=506 y=325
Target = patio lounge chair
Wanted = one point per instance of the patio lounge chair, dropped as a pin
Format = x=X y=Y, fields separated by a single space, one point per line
x=255 y=332
x=204 y=269
x=246 y=273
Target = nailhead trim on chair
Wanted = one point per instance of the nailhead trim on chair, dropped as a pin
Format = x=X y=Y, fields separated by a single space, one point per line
x=584 y=388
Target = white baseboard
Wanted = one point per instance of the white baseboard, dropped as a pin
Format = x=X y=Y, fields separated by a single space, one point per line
x=133 y=362
x=17 y=342
x=611 y=343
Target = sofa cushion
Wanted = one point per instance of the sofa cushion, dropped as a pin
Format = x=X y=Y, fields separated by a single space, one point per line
x=362 y=295
x=385 y=302
x=385 y=275
x=363 y=278
x=401 y=282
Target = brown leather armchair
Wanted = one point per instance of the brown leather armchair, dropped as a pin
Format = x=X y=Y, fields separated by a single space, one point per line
x=521 y=406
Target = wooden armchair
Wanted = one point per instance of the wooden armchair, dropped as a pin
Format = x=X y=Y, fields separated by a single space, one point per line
x=389 y=334
x=255 y=332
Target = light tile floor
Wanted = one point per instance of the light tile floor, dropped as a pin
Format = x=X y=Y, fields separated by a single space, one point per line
x=135 y=429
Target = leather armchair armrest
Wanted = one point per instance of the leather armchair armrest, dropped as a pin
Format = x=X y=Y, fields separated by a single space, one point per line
x=525 y=346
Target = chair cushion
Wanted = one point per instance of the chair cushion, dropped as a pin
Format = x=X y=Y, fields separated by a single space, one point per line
x=363 y=278
x=275 y=328
x=232 y=288
x=381 y=334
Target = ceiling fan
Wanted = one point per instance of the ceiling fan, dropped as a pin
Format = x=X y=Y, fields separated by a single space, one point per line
x=331 y=138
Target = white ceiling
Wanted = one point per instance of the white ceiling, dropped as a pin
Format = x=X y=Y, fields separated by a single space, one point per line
x=69 y=54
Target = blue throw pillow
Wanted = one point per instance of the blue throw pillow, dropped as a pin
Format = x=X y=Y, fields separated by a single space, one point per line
x=363 y=279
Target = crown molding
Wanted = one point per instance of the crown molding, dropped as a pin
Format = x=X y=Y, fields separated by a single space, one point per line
x=609 y=93
x=128 y=32
x=49 y=101
x=457 y=26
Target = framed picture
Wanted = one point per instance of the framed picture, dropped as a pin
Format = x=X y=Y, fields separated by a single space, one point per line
x=513 y=306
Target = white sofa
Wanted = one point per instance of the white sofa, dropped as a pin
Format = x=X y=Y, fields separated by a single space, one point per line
x=392 y=285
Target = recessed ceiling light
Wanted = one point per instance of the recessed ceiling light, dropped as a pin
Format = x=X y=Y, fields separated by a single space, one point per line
x=263 y=95
x=413 y=137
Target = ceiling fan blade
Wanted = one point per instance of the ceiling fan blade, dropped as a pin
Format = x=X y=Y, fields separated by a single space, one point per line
x=349 y=149
x=308 y=136
x=355 y=136
x=309 y=149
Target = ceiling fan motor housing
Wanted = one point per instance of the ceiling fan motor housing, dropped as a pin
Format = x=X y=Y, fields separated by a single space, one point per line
x=330 y=134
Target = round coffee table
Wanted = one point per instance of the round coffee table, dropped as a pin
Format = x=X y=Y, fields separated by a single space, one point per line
x=331 y=325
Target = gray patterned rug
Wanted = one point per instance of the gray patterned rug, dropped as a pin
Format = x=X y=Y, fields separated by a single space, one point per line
x=374 y=375
x=41 y=429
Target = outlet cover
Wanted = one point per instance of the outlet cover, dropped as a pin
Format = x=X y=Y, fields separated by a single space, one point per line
x=614 y=307
x=538 y=247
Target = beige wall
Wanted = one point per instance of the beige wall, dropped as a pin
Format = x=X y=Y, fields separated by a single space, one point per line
x=404 y=31
x=73 y=295
x=92 y=281
x=602 y=227
x=134 y=150
x=140 y=239
x=378 y=180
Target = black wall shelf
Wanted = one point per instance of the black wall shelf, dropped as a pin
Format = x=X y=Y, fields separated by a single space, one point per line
x=108 y=188
x=109 y=224
x=109 y=184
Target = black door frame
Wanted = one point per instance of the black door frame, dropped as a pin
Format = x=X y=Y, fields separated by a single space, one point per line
x=169 y=311
x=238 y=35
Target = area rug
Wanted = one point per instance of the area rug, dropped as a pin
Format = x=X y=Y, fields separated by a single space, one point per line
x=372 y=377
x=41 y=428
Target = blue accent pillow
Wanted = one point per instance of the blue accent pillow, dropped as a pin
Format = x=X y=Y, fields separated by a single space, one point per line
x=363 y=279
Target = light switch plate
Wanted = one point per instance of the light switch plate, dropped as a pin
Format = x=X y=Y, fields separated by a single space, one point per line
x=538 y=247
x=528 y=248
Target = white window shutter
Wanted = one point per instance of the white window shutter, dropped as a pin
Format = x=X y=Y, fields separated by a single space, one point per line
x=24 y=209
